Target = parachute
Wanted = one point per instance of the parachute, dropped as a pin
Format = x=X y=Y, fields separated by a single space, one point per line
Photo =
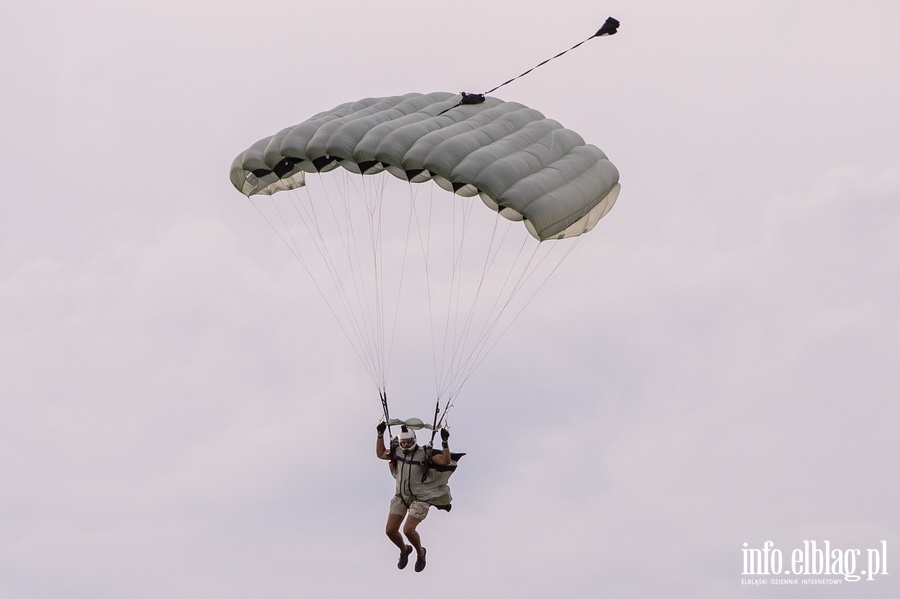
x=522 y=164
x=543 y=179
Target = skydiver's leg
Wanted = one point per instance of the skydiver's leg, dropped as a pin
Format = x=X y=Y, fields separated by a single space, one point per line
x=392 y=530
x=418 y=511
x=409 y=529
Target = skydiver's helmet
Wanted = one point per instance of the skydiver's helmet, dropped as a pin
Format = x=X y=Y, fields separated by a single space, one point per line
x=407 y=439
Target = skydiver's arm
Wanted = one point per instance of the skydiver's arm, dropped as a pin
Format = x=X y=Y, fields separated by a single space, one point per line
x=443 y=458
x=380 y=450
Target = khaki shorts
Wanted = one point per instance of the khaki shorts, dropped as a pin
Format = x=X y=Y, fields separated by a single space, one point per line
x=416 y=509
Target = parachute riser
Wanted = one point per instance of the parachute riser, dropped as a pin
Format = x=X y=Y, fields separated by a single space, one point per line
x=437 y=411
x=387 y=416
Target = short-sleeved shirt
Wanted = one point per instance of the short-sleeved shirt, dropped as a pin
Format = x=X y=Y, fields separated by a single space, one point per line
x=408 y=471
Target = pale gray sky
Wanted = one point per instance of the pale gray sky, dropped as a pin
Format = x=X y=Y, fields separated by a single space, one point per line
x=715 y=365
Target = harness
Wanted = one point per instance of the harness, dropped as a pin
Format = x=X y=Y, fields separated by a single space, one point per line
x=408 y=464
x=424 y=463
x=401 y=466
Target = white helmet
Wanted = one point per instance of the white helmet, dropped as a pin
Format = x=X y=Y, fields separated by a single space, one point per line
x=406 y=436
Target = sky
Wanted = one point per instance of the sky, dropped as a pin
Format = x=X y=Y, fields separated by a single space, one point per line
x=714 y=367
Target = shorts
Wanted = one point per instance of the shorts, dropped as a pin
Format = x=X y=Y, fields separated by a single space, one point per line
x=416 y=509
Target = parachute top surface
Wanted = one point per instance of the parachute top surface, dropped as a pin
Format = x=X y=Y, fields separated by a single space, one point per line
x=520 y=163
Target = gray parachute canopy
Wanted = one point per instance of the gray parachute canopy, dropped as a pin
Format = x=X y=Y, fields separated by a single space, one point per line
x=520 y=163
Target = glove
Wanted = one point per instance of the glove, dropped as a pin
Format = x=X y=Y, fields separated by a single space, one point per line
x=445 y=434
x=382 y=426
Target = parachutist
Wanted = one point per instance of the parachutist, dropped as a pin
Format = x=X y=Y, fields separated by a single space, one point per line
x=419 y=486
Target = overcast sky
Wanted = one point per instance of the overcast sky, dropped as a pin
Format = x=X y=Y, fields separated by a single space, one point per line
x=716 y=364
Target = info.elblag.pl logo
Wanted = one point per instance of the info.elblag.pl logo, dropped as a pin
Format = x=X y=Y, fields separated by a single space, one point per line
x=812 y=563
